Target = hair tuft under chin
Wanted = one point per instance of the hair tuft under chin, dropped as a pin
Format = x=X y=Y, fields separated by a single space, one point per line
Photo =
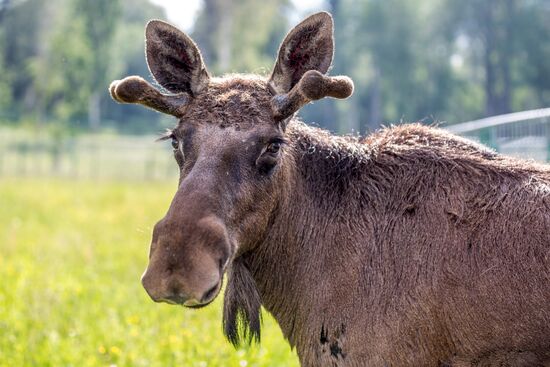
x=242 y=306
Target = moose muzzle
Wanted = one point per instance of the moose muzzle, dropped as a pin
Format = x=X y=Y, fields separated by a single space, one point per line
x=187 y=260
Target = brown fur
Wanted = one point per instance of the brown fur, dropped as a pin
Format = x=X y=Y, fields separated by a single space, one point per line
x=412 y=250
x=410 y=247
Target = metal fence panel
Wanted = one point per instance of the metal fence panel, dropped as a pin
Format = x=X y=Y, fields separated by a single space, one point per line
x=522 y=134
x=99 y=157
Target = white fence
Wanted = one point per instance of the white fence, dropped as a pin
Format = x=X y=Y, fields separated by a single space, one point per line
x=523 y=134
x=96 y=157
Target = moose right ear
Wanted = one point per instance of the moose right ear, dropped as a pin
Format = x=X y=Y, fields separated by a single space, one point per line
x=174 y=59
x=309 y=46
x=299 y=75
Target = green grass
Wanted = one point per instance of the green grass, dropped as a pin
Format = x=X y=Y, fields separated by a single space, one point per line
x=71 y=256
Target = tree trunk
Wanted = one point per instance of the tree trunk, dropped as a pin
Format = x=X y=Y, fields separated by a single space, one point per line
x=497 y=33
x=204 y=32
x=94 y=112
x=225 y=35
x=375 y=103
x=489 y=54
x=506 y=55
x=330 y=116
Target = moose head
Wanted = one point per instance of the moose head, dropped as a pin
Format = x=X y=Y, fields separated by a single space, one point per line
x=231 y=147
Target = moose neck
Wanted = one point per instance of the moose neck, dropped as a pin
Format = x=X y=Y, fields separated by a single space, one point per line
x=304 y=243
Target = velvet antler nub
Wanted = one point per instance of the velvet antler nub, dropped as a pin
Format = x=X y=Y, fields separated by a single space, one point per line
x=134 y=89
x=312 y=86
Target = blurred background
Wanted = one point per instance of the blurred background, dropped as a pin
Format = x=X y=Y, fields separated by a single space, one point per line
x=82 y=180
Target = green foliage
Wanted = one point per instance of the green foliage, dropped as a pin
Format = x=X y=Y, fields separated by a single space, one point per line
x=71 y=256
x=99 y=18
x=237 y=36
x=60 y=55
x=508 y=41
x=128 y=59
x=62 y=88
x=6 y=80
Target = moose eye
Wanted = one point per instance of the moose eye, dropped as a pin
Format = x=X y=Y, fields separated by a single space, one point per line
x=175 y=143
x=267 y=161
x=273 y=148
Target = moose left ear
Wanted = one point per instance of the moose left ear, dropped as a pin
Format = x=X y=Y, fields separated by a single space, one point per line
x=309 y=46
x=174 y=59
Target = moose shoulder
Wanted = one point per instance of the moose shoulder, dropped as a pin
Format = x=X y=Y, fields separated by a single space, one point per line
x=410 y=247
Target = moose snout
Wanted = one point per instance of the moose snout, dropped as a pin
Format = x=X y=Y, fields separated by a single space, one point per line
x=187 y=262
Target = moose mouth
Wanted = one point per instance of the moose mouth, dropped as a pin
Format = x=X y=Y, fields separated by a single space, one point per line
x=196 y=306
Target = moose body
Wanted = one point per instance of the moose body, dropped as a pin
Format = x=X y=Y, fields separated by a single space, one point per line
x=410 y=247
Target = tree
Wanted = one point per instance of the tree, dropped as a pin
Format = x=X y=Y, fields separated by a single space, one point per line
x=54 y=63
x=100 y=20
x=509 y=44
x=240 y=34
x=127 y=58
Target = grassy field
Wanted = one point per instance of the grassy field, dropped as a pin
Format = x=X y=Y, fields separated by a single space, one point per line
x=71 y=256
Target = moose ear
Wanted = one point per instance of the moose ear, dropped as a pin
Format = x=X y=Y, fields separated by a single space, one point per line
x=309 y=46
x=174 y=59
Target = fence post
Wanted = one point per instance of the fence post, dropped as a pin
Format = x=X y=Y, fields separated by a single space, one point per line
x=487 y=136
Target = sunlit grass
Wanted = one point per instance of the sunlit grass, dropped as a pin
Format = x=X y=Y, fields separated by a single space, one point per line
x=71 y=256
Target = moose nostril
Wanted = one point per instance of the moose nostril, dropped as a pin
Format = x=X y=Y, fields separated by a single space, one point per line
x=209 y=294
x=169 y=270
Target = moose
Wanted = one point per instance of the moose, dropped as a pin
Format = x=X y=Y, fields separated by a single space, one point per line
x=407 y=247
